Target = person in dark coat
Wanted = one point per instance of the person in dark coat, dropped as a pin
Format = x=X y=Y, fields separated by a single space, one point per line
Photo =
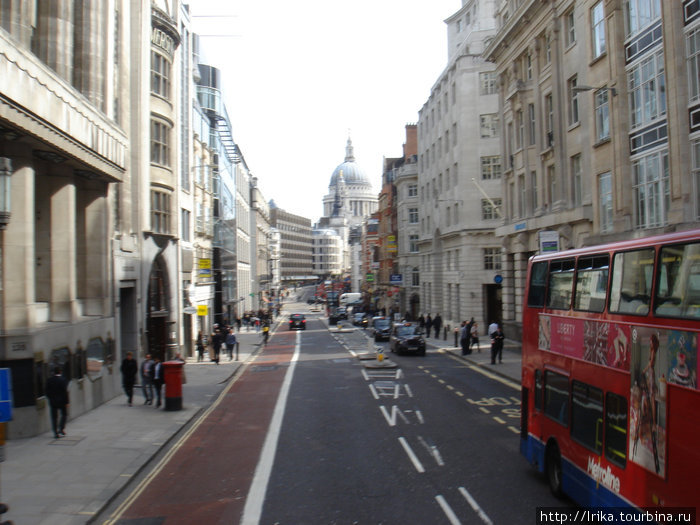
x=437 y=324
x=57 y=394
x=158 y=379
x=428 y=325
x=497 y=337
x=217 y=339
x=129 y=370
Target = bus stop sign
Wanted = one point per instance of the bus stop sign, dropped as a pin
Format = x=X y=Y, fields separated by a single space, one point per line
x=5 y=395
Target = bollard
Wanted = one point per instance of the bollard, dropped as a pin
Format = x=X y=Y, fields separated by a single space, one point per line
x=456 y=337
x=237 y=345
x=173 y=385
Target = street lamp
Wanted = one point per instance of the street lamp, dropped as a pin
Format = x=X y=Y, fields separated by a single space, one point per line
x=5 y=191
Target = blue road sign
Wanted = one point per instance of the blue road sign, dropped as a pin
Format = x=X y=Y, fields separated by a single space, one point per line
x=5 y=395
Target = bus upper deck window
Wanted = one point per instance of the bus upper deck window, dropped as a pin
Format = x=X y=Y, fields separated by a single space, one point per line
x=678 y=282
x=561 y=279
x=538 y=284
x=632 y=275
x=591 y=283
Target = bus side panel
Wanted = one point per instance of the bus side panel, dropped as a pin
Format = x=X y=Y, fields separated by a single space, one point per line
x=683 y=451
x=585 y=491
x=533 y=450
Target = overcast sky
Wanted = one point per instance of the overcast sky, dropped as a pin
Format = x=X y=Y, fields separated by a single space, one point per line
x=299 y=76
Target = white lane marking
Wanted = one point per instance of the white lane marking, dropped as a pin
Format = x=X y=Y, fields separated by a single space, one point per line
x=374 y=391
x=454 y=520
x=475 y=506
x=408 y=390
x=433 y=451
x=397 y=390
x=391 y=420
x=419 y=415
x=256 y=495
x=411 y=455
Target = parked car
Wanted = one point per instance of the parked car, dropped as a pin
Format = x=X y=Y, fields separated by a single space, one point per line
x=407 y=337
x=359 y=319
x=381 y=328
x=297 y=322
x=341 y=312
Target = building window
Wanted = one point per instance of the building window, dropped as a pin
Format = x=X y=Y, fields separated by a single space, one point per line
x=650 y=187
x=488 y=211
x=533 y=186
x=602 y=115
x=598 y=29
x=160 y=75
x=547 y=50
x=492 y=258
x=528 y=66
x=488 y=83
x=639 y=14
x=185 y=225
x=531 y=123
x=491 y=167
x=413 y=215
x=647 y=90
x=606 y=202
x=570 y=29
x=573 y=101
x=519 y=122
x=577 y=176
x=693 y=54
x=521 y=192
x=415 y=277
x=489 y=125
x=549 y=120
x=160 y=140
x=551 y=184
x=413 y=243
x=695 y=148
x=413 y=190
x=160 y=212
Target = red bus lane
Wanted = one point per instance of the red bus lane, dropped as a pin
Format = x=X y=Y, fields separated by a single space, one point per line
x=207 y=477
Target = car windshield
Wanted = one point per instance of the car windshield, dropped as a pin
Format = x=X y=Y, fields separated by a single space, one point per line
x=381 y=323
x=403 y=331
x=296 y=317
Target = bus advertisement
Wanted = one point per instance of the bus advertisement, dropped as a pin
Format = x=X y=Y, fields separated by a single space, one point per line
x=610 y=400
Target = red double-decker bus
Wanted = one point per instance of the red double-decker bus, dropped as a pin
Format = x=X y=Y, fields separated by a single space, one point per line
x=610 y=400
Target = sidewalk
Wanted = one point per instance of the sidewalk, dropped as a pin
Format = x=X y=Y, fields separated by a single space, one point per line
x=510 y=368
x=69 y=480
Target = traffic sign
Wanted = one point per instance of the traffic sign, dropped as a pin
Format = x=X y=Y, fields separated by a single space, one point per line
x=191 y=310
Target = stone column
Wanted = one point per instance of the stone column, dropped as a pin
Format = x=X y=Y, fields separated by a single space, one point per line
x=62 y=304
x=90 y=44
x=19 y=262
x=54 y=41
x=91 y=247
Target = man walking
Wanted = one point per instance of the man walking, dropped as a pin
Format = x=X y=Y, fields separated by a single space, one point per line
x=230 y=343
x=57 y=394
x=158 y=379
x=129 y=370
x=147 y=379
x=497 y=338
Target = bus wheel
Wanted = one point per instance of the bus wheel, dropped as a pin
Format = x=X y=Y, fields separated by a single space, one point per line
x=554 y=470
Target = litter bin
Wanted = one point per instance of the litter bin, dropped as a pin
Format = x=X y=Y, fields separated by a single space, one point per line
x=173 y=384
x=333 y=319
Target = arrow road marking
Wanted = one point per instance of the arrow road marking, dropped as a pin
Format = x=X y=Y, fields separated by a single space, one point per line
x=411 y=455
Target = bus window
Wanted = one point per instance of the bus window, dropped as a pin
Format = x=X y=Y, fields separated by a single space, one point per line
x=538 y=389
x=538 y=284
x=591 y=283
x=630 y=290
x=561 y=279
x=556 y=397
x=678 y=283
x=587 y=415
x=616 y=429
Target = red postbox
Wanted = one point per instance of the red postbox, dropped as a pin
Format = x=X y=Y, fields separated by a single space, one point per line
x=173 y=384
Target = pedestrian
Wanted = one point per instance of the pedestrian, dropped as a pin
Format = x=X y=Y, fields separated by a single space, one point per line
x=497 y=338
x=465 y=338
x=428 y=325
x=266 y=332
x=200 y=347
x=238 y=323
x=492 y=327
x=129 y=369
x=437 y=324
x=147 y=379
x=475 y=336
x=158 y=379
x=230 y=343
x=217 y=339
x=57 y=394
x=421 y=322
